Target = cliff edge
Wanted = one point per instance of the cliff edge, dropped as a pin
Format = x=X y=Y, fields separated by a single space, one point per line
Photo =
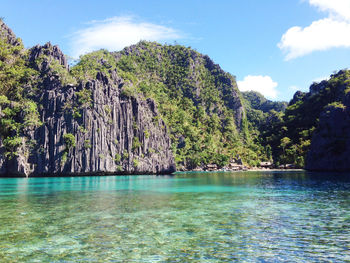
x=54 y=125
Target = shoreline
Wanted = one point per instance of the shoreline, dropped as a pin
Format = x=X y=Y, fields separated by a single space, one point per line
x=255 y=169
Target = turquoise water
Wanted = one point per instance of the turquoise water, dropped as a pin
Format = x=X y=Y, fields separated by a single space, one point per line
x=188 y=217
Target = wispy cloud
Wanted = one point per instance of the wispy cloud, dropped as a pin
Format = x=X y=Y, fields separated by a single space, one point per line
x=335 y=8
x=263 y=84
x=118 y=32
x=330 y=32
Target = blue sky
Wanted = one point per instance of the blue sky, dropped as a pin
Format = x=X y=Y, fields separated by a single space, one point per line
x=273 y=46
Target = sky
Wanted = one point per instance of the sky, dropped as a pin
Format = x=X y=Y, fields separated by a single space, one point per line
x=275 y=47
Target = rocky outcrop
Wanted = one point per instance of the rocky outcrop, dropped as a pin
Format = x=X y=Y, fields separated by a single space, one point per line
x=229 y=89
x=89 y=128
x=95 y=116
x=330 y=146
x=47 y=53
x=7 y=34
x=224 y=83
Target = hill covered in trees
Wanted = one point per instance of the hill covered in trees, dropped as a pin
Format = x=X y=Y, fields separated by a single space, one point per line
x=292 y=133
x=113 y=111
x=198 y=101
x=53 y=123
x=149 y=108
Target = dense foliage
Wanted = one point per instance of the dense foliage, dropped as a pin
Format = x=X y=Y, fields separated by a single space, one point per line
x=209 y=120
x=290 y=134
x=263 y=116
x=17 y=110
x=255 y=100
x=198 y=101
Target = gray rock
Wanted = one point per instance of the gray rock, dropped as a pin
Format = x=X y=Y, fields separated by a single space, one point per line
x=330 y=145
x=113 y=133
x=51 y=53
x=7 y=34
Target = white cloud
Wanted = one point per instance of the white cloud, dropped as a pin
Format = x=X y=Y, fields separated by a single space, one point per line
x=263 y=84
x=118 y=32
x=320 y=35
x=338 y=8
x=323 y=34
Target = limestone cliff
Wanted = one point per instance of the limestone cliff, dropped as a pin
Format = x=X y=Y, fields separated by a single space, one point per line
x=198 y=100
x=85 y=127
x=139 y=110
x=7 y=34
x=330 y=146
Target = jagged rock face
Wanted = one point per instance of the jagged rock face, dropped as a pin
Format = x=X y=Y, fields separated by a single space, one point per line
x=330 y=146
x=7 y=34
x=225 y=84
x=112 y=133
x=230 y=91
x=49 y=51
x=195 y=98
x=298 y=96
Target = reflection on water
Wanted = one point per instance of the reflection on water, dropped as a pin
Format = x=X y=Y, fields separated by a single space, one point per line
x=189 y=217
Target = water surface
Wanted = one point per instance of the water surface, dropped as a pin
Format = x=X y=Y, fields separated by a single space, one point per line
x=188 y=217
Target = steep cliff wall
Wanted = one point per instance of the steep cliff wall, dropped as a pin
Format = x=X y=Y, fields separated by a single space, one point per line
x=198 y=100
x=330 y=146
x=85 y=127
x=185 y=72
x=127 y=111
x=312 y=132
x=112 y=133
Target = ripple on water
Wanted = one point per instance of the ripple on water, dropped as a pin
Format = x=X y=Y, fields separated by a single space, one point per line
x=184 y=218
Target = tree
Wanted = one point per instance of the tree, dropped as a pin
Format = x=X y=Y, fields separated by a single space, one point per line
x=69 y=140
x=284 y=143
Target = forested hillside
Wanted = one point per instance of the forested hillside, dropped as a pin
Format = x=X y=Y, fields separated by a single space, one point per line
x=60 y=120
x=199 y=101
x=290 y=134
x=150 y=107
x=53 y=123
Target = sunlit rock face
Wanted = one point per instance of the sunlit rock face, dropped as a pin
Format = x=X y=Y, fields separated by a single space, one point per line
x=88 y=128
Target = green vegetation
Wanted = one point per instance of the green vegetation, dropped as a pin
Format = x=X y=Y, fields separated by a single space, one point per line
x=87 y=144
x=15 y=71
x=263 y=118
x=119 y=168
x=146 y=133
x=84 y=98
x=15 y=118
x=11 y=144
x=125 y=155
x=57 y=69
x=92 y=63
x=289 y=134
x=136 y=163
x=255 y=100
x=208 y=119
x=108 y=110
x=196 y=99
x=117 y=158
x=64 y=157
x=69 y=140
x=136 y=144
x=17 y=111
x=302 y=116
x=76 y=113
